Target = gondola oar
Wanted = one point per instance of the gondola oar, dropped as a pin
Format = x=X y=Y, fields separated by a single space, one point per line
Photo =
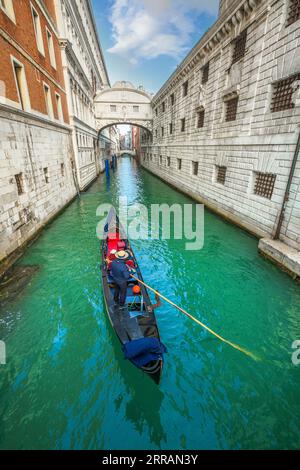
x=233 y=345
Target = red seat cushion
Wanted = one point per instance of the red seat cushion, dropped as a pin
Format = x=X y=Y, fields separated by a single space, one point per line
x=112 y=242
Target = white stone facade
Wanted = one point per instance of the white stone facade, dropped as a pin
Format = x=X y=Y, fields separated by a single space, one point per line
x=85 y=73
x=41 y=152
x=258 y=141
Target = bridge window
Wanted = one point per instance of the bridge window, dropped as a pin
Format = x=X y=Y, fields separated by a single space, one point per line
x=162 y=131
x=179 y=163
x=168 y=161
x=19 y=182
x=136 y=109
x=156 y=133
x=171 y=128
x=156 y=111
x=163 y=106
x=160 y=159
x=113 y=108
x=172 y=99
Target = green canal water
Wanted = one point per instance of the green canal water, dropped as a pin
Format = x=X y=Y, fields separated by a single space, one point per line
x=66 y=384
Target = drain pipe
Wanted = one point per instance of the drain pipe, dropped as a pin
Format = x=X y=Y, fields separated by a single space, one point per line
x=287 y=191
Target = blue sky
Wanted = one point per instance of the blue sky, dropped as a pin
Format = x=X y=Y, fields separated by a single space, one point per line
x=144 y=40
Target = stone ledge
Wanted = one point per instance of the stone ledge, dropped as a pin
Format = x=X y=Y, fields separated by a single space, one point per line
x=284 y=256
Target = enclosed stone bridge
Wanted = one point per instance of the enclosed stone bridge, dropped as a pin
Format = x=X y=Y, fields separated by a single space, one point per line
x=126 y=152
x=123 y=104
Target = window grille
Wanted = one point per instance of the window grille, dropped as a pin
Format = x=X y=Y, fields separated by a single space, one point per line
x=205 y=74
x=179 y=163
x=283 y=94
x=239 y=47
x=185 y=88
x=19 y=182
x=182 y=124
x=200 y=118
x=231 y=109
x=264 y=184
x=195 y=166
x=293 y=11
x=221 y=174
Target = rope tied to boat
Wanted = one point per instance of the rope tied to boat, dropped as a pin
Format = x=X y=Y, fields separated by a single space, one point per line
x=233 y=345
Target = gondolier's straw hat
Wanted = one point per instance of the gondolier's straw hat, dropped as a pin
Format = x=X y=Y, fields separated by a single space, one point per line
x=122 y=255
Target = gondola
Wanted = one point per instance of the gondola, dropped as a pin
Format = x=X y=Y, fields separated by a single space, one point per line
x=134 y=323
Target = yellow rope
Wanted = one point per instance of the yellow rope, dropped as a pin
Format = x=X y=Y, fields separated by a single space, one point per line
x=235 y=346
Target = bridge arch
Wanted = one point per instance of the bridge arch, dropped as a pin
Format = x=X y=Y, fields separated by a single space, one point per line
x=123 y=104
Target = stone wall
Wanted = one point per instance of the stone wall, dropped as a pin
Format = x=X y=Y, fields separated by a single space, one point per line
x=41 y=152
x=257 y=141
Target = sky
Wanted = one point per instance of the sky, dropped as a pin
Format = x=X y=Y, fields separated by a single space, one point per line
x=143 y=41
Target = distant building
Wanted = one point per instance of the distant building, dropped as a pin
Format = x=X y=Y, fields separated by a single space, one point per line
x=85 y=73
x=36 y=155
x=136 y=144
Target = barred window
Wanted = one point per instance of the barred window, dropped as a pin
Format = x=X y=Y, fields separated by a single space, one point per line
x=171 y=128
x=293 y=11
x=200 y=118
x=239 y=47
x=205 y=74
x=231 y=109
x=179 y=163
x=185 y=88
x=221 y=174
x=168 y=161
x=46 y=175
x=172 y=99
x=283 y=93
x=19 y=182
x=162 y=131
x=156 y=133
x=163 y=107
x=182 y=121
x=156 y=111
x=264 y=184
x=195 y=166
x=160 y=159
x=62 y=169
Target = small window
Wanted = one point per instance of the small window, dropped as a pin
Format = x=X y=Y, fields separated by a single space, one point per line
x=179 y=163
x=200 y=118
x=59 y=107
x=21 y=84
x=113 y=108
x=162 y=131
x=239 y=47
x=182 y=124
x=48 y=99
x=8 y=8
x=264 y=184
x=38 y=30
x=136 y=109
x=163 y=106
x=20 y=184
x=172 y=99
x=231 y=109
x=62 y=169
x=195 y=166
x=156 y=112
x=46 y=175
x=51 y=48
x=283 y=92
x=293 y=11
x=205 y=74
x=171 y=128
x=160 y=159
x=168 y=161
x=156 y=133
x=221 y=174
x=185 y=88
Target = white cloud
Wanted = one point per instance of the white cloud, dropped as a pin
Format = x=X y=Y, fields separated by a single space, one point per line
x=146 y=29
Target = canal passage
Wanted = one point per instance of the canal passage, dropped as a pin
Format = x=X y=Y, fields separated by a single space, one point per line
x=66 y=384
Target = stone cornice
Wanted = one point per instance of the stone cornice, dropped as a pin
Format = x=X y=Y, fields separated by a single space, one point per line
x=212 y=39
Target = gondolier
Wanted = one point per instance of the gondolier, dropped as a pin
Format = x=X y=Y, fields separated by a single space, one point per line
x=120 y=274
